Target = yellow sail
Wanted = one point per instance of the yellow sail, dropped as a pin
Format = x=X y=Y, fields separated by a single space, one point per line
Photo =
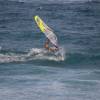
x=46 y=30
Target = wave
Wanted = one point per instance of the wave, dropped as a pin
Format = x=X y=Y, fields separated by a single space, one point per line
x=41 y=55
x=33 y=54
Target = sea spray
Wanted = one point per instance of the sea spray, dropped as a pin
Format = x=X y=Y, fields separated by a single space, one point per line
x=33 y=54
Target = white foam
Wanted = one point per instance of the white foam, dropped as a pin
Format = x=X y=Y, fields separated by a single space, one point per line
x=5 y=58
x=45 y=55
x=33 y=54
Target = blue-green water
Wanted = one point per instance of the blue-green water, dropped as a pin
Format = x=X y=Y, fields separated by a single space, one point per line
x=27 y=77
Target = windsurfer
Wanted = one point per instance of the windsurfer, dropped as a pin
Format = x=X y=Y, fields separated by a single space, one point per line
x=50 y=49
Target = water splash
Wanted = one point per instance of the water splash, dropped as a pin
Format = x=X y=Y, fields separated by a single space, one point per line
x=33 y=54
x=46 y=55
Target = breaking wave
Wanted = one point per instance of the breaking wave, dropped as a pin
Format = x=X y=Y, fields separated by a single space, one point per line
x=42 y=56
x=33 y=54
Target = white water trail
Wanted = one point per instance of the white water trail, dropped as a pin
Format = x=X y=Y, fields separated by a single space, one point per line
x=46 y=55
x=33 y=54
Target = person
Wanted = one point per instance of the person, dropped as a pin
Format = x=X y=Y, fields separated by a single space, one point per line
x=50 y=49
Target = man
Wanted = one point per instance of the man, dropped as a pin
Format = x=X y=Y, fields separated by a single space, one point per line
x=50 y=49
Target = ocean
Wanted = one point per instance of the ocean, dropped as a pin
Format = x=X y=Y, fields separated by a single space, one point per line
x=27 y=76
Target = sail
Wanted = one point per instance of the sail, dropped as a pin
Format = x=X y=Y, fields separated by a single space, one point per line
x=46 y=30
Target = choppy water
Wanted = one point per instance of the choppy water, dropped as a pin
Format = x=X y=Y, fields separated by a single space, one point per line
x=24 y=76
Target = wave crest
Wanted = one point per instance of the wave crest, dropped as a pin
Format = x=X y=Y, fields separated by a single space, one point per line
x=33 y=54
